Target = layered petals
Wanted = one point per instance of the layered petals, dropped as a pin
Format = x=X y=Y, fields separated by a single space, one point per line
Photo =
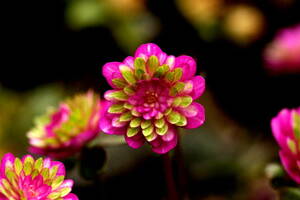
x=147 y=50
x=31 y=179
x=152 y=98
x=197 y=118
x=198 y=87
x=188 y=66
x=111 y=71
x=286 y=131
x=290 y=165
x=63 y=132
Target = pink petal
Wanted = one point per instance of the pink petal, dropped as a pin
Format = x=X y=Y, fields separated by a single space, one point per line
x=66 y=184
x=188 y=66
x=190 y=111
x=43 y=191
x=61 y=168
x=282 y=127
x=169 y=136
x=170 y=61
x=26 y=156
x=106 y=94
x=129 y=61
x=136 y=141
x=110 y=71
x=147 y=50
x=2 y=197
x=161 y=147
x=47 y=163
x=70 y=197
x=198 y=87
x=290 y=165
x=7 y=160
x=106 y=121
x=198 y=119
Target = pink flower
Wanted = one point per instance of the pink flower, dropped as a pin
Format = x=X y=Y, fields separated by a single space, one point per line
x=286 y=130
x=152 y=95
x=283 y=54
x=26 y=178
x=65 y=131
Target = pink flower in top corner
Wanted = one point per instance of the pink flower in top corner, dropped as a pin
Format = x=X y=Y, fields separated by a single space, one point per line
x=31 y=179
x=286 y=130
x=63 y=132
x=153 y=94
x=282 y=55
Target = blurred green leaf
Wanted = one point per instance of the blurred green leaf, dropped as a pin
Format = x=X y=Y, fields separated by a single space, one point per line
x=290 y=194
x=85 y=13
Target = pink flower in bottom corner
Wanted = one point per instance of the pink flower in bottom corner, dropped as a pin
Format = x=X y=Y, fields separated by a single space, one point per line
x=286 y=130
x=152 y=95
x=29 y=179
x=63 y=132
x=282 y=55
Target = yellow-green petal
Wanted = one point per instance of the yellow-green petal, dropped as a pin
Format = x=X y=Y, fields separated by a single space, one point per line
x=163 y=130
x=148 y=131
x=38 y=164
x=174 y=117
x=151 y=137
x=57 y=182
x=152 y=64
x=186 y=101
x=116 y=108
x=182 y=121
x=177 y=88
x=296 y=124
x=18 y=166
x=292 y=145
x=119 y=82
x=129 y=90
x=126 y=117
x=177 y=74
x=145 y=124
x=139 y=68
x=132 y=131
x=136 y=122
x=117 y=95
x=128 y=106
x=169 y=77
x=161 y=71
x=127 y=74
x=159 y=123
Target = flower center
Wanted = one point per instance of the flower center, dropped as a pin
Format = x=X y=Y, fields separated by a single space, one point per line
x=34 y=188
x=150 y=98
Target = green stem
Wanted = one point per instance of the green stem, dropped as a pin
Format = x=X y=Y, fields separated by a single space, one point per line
x=169 y=175
x=181 y=171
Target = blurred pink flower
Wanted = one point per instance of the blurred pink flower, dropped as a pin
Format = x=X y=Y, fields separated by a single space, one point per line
x=152 y=95
x=63 y=132
x=286 y=130
x=282 y=55
x=30 y=179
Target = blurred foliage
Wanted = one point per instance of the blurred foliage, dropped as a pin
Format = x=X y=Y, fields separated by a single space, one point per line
x=129 y=20
x=17 y=111
x=241 y=23
x=223 y=159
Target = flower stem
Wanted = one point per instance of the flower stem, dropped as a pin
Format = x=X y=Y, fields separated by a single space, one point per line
x=181 y=171
x=172 y=192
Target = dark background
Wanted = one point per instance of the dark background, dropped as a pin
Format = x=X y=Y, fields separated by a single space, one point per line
x=38 y=48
